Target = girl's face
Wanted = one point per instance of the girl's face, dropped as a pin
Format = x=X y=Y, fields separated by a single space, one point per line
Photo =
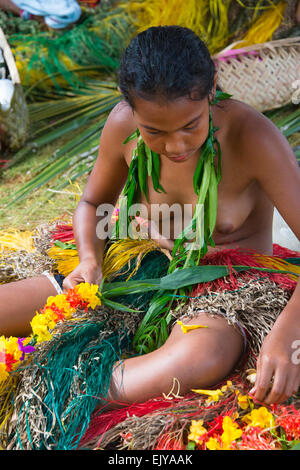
x=175 y=129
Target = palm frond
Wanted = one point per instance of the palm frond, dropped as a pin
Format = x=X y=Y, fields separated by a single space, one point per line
x=85 y=112
x=287 y=119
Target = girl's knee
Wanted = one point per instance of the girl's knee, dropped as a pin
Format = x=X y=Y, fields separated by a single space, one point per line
x=202 y=361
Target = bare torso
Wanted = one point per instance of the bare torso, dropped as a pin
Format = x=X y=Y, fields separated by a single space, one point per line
x=245 y=213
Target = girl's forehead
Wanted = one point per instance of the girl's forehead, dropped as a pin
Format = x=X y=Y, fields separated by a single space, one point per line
x=169 y=115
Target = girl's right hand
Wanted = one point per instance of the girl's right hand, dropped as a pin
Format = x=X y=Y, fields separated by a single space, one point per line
x=88 y=270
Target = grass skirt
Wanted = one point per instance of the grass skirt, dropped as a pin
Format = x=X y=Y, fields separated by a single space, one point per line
x=57 y=399
x=252 y=309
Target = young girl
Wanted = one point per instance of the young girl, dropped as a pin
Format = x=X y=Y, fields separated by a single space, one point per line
x=169 y=82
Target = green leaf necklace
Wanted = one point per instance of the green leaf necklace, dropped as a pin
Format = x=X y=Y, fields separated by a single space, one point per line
x=145 y=163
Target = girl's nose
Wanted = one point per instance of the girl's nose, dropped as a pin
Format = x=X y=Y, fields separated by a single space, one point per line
x=174 y=145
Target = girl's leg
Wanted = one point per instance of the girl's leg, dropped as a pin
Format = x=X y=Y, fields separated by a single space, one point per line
x=19 y=302
x=197 y=359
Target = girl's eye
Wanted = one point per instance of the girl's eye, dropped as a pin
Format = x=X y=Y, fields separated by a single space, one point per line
x=153 y=132
x=190 y=128
x=187 y=128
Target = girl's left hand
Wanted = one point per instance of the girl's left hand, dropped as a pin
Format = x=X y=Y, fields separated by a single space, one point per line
x=278 y=364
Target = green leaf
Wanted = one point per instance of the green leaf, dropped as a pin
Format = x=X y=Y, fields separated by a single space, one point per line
x=191 y=445
x=132 y=136
x=156 y=308
x=117 y=305
x=220 y=95
x=198 y=172
x=194 y=275
x=205 y=182
x=207 y=273
x=114 y=289
x=295 y=446
x=65 y=246
x=149 y=160
x=156 y=163
x=212 y=201
x=163 y=332
x=142 y=172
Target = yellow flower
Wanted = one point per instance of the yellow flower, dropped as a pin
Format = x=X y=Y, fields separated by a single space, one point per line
x=197 y=431
x=187 y=328
x=2 y=344
x=60 y=302
x=260 y=418
x=89 y=293
x=228 y=385
x=214 y=395
x=213 y=444
x=41 y=323
x=244 y=401
x=10 y=346
x=231 y=432
x=3 y=372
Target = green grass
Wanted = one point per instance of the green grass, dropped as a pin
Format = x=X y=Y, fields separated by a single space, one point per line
x=41 y=206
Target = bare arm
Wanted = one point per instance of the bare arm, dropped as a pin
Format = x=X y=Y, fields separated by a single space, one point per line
x=272 y=163
x=104 y=186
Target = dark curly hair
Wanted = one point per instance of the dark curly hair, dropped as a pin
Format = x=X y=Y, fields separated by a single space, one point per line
x=166 y=62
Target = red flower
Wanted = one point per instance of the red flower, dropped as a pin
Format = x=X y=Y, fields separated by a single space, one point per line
x=9 y=361
x=76 y=301
x=290 y=422
x=58 y=313
x=167 y=442
x=254 y=439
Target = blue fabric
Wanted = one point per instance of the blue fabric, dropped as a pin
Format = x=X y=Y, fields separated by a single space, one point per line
x=57 y=13
x=59 y=279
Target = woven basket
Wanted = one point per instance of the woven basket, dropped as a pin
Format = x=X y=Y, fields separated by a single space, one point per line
x=14 y=122
x=265 y=76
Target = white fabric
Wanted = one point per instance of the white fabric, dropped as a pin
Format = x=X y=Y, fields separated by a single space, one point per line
x=57 y=13
x=53 y=281
x=6 y=94
x=282 y=234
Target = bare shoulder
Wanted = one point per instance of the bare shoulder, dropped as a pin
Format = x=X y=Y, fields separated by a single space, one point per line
x=267 y=157
x=245 y=122
x=257 y=141
x=120 y=123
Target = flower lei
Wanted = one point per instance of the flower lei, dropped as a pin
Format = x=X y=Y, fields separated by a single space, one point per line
x=248 y=427
x=146 y=163
x=58 y=308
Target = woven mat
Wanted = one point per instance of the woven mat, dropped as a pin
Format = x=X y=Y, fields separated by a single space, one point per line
x=263 y=75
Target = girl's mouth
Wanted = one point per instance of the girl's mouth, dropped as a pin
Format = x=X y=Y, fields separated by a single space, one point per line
x=180 y=158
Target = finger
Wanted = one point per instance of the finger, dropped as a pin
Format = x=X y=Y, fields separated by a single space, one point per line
x=253 y=389
x=99 y=279
x=265 y=372
x=278 y=387
x=68 y=283
x=257 y=378
x=91 y=278
x=292 y=385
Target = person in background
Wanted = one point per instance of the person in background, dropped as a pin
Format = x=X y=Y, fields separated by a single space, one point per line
x=56 y=14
